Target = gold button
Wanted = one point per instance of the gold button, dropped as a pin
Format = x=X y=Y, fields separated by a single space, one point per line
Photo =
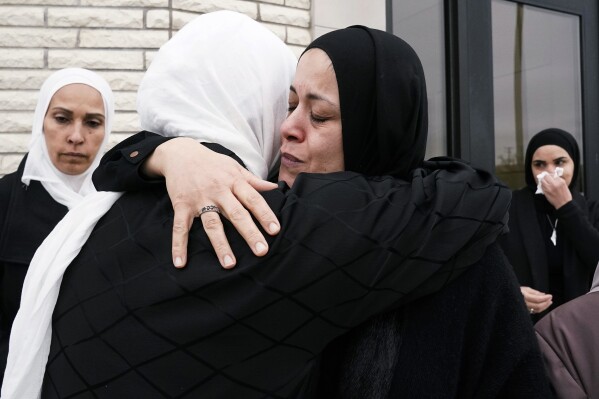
x=134 y=154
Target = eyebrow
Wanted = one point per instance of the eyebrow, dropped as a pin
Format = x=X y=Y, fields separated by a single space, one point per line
x=554 y=160
x=312 y=96
x=87 y=115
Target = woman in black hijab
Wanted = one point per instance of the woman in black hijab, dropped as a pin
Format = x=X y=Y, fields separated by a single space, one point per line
x=382 y=91
x=418 y=350
x=472 y=339
x=553 y=243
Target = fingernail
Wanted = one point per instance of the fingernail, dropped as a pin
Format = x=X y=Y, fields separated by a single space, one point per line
x=260 y=247
x=178 y=261
x=228 y=261
x=273 y=227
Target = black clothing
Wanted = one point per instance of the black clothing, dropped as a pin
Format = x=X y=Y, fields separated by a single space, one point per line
x=27 y=215
x=472 y=339
x=121 y=165
x=382 y=94
x=577 y=236
x=128 y=323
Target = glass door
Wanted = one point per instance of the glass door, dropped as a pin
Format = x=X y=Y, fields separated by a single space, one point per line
x=512 y=68
x=541 y=63
x=537 y=80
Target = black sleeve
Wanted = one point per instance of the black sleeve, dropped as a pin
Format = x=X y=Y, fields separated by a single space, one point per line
x=582 y=229
x=430 y=229
x=119 y=169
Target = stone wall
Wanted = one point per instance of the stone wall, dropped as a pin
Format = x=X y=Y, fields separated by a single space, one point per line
x=116 y=38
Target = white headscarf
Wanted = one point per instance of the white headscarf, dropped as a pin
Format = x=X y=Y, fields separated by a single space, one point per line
x=223 y=78
x=65 y=189
x=235 y=91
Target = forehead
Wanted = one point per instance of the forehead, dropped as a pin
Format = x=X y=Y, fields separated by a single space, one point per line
x=315 y=68
x=550 y=152
x=78 y=95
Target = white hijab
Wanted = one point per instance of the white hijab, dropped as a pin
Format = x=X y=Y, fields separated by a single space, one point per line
x=223 y=78
x=65 y=189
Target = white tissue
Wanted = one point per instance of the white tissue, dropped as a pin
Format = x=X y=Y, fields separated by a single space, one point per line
x=557 y=173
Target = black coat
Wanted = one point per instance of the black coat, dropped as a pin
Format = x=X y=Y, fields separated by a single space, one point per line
x=128 y=323
x=577 y=234
x=27 y=215
x=472 y=339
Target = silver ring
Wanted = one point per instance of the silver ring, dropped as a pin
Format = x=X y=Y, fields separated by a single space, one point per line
x=532 y=311
x=209 y=208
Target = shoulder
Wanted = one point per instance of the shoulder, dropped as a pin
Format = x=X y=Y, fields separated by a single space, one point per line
x=8 y=182
x=565 y=336
x=593 y=208
x=571 y=319
x=589 y=207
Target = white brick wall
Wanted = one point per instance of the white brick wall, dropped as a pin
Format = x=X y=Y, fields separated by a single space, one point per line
x=116 y=38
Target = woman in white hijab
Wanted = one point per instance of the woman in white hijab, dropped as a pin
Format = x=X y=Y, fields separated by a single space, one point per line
x=71 y=126
x=176 y=92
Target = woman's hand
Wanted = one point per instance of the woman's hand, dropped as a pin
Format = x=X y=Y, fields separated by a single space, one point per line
x=197 y=177
x=556 y=191
x=536 y=301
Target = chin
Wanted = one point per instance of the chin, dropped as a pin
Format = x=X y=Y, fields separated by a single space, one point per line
x=73 y=170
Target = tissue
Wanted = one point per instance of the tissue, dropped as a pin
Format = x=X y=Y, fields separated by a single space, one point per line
x=556 y=173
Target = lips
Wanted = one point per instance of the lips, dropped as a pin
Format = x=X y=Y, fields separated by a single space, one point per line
x=290 y=161
x=74 y=155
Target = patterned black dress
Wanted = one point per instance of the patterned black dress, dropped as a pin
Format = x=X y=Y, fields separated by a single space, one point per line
x=129 y=324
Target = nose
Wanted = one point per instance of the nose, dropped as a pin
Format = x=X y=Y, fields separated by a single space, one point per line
x=292 y=128
x=76 y=135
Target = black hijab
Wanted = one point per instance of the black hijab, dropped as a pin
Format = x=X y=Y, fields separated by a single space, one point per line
x=382 y=92
x=383 y=102
x=556 y=137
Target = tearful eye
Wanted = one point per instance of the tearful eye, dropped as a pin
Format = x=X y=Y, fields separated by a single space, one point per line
x=318 y=119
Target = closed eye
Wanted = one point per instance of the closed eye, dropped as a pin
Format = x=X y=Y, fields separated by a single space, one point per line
x=318 y=119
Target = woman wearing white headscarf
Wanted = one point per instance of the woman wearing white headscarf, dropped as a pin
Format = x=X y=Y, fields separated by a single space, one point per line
x=71 y=125
x=181 y=87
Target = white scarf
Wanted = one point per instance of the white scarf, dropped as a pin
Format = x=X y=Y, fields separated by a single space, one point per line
x=223 y=78
x=64 y=189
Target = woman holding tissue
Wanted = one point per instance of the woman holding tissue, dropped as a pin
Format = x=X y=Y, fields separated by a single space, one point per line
x=553 y=242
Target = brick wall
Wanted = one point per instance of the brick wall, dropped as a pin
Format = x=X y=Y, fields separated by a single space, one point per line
x=116 y=38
